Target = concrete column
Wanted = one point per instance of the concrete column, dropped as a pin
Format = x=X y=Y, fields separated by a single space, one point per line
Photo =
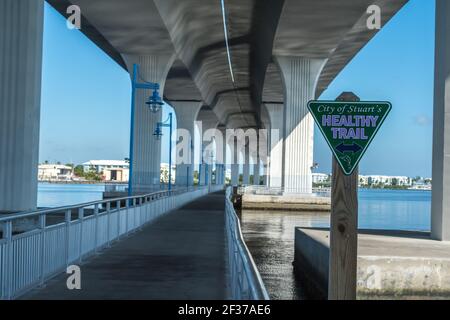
x=222 y=174
x=209 y=175
x=235 y=166
x=256 y=173
x=266 y=176
x=440 y=207
x=216 y=174
x=246 y=166
x=299 y=79
x=275 y=151
x=203 y=174
x=221 y=159
x=146 y=157
x=21 y=32
x=186 y=112
x=234 y=174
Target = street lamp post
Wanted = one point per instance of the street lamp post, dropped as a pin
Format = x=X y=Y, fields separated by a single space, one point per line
x=154 y=102
x=158 y=133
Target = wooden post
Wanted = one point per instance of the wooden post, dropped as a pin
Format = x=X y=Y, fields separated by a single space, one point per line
x=343 y=229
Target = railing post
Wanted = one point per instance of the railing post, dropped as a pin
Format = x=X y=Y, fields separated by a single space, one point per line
x=67 y=218
x=141 y=200
x=127 y=223
x=118 y=217
x=9 y=273
x=42 y=248
x=80 y=222
x=96 y=227
x=108 y=219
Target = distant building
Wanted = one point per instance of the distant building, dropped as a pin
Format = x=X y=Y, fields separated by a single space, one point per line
x=111 y=170
x=99 y=166
x=116 y=174
x=49 y=172
x=320 y=177
x=363 y=180
x=385 y=180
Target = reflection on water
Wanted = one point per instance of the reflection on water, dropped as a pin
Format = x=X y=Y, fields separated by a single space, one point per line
x=270 y=234
x=56 y=195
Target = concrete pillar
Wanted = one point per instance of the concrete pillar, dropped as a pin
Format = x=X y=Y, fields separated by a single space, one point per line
x=216 y=174
x=246 y=166
x=256 y=177
x=266 y=176
x=209 y=168
x=234 y=174
x=222 y=174
x=186 y=112
x=235 y=167
x=299 y=80
x=275 y=151
x=440 y=207
x=221 y=158
x=146 y=157
x=202 y=174
x=21 y=33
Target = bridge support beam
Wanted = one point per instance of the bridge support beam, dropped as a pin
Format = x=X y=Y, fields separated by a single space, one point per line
x=202 y=174
x=256 y=175
x=146 y=151
x=186 y=112
x=21 y=37
x=299 y=80
x=221 y=157
x=246 y=166
x=276 y=144
x=440 y=208
x=265 y=177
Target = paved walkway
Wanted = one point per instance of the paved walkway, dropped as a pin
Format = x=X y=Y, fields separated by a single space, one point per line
x=179 y=256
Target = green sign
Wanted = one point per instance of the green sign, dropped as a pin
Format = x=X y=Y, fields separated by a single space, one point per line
x=349 y=127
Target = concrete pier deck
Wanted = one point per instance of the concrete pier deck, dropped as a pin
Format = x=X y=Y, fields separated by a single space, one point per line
x=179 y=256
x=391 y=264
x=286 y=202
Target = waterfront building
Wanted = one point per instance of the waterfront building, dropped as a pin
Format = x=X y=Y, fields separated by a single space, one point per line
x=116 y=174
x=387 y=180
x=53 y=172
x=99 y=166
x=320 y=177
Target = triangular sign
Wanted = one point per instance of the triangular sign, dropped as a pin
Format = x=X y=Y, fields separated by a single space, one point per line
x=349 y=127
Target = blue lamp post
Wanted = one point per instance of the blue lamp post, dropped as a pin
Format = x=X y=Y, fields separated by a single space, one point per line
x=158 y=133
x=154 y=102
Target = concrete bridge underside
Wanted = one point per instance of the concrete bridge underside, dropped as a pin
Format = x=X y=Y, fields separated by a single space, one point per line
x=282 y=54
x=278 y=49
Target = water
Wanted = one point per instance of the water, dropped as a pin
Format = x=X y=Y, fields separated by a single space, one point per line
x=57 y=195
x=270 y=234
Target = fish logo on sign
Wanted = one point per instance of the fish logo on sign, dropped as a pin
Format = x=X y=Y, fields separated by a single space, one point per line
x=349 y=127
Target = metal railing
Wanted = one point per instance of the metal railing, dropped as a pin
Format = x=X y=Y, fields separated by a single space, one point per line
x=278 y=191
x=67 y=235
x=246 y=282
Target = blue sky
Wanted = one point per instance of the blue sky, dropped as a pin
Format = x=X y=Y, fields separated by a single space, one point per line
x=85 y=109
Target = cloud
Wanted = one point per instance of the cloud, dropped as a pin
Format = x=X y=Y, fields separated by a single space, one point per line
x=422 y=120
